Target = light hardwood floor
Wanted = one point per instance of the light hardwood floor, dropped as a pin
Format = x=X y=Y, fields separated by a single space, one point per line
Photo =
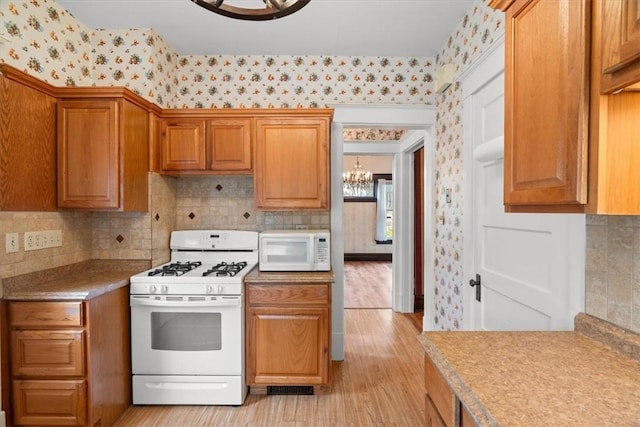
x=367 y=284
x=380 y=383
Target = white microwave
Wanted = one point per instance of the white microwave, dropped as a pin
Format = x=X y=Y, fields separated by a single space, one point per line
x=295 y=250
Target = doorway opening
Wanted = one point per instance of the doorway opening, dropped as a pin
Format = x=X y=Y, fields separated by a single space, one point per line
x=368 y=231
x=418 y=122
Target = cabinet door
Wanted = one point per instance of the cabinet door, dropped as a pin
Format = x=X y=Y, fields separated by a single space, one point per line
x=229 y=144
x=288 y=346
x=183 y=145
x=620 y=44
x=292 y=163
x=88 y=150
x=47 y=403
x=546 y=104
x=28 y=147
x=440 y=394
x=433 y=417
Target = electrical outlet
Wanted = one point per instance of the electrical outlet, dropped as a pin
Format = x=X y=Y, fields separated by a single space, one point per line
x=56 y=238
x=34 y=240
x=12 y=244
x=51 y=238
x=30 y=241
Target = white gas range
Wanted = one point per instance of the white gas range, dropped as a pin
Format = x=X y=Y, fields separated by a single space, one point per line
x=187 y=320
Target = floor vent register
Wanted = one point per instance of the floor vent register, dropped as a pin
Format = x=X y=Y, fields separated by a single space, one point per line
x=284 y=389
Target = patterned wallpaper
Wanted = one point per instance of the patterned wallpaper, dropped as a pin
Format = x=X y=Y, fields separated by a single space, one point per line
x=477 y=31
x=138 y=59
x=301 y=81
x=47 y=42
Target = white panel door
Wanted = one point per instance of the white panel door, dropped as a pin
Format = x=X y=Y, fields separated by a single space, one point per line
x=530 y=266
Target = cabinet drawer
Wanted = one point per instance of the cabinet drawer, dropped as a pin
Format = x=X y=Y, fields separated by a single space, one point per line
x=317 y=294
x=46 y=314
x=49 y=402
x=47 y=353
x=440 y=393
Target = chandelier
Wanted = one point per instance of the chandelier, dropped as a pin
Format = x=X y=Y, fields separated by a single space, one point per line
x=272 y=9
x=357 y=182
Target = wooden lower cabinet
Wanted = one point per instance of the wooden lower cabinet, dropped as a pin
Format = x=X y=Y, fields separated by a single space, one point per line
x=442 y=406
x=432 y=415
x=69 y=361
x=288 y=334
x=49 y=402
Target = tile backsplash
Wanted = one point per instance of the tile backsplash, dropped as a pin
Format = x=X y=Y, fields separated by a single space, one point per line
x=226 y=202
x=613 y=269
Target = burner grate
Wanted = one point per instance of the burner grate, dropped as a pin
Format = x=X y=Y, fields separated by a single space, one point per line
x=175 y=268
x=224 y=269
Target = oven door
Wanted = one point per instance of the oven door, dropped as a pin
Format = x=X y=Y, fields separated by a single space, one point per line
x=187 y=335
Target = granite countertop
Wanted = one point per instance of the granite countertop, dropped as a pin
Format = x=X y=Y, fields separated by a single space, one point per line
x=81 y=281
x=586 y=377
x=284 y=277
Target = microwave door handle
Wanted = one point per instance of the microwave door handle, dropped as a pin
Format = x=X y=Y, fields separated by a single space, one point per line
x=138 y=302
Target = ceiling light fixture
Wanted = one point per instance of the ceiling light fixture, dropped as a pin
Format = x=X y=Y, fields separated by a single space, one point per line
x=358 y=182
x=272 y=9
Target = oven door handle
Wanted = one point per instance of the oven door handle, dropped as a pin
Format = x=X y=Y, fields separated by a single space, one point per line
x=161 y=303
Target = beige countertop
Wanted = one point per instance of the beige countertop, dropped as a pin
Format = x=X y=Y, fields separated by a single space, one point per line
x=587 y=377
x=79 y=281
x=284 y=277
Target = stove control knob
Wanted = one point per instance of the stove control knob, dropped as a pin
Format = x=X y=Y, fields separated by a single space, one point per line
x=152 y=289
x=164 y=289
x=209 y=289
x=220 y=289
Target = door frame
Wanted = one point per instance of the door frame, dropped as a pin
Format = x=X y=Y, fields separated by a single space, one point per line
x=420 y=119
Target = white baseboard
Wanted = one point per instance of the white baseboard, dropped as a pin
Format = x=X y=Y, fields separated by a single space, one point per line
x=3 y=422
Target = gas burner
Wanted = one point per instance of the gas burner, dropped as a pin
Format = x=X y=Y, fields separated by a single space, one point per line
x=175 y=268
x=224 y=269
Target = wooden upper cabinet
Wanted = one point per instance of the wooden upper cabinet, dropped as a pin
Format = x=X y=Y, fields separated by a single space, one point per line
x=229 y=144
x=103 y=154
x=27 y=143
x=292 y=162
x=546 y=96
x=614 y=152
x=183 y=145
x=620 y=47
x=206 y=145
x=568 y=146
x=87 y=154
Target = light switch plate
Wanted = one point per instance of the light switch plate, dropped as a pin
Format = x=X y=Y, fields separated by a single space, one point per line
x=12 y=243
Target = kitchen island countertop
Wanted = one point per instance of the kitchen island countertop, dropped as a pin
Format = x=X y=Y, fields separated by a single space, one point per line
x=80 y=281
x=586 y=377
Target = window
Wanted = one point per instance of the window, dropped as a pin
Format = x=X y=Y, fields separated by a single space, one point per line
x=383 y=190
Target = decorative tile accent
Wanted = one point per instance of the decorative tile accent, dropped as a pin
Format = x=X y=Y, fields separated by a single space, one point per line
x=192 y=215
x=246 y=215
x=219 y=187
x=119 y=238
x=157 y=217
